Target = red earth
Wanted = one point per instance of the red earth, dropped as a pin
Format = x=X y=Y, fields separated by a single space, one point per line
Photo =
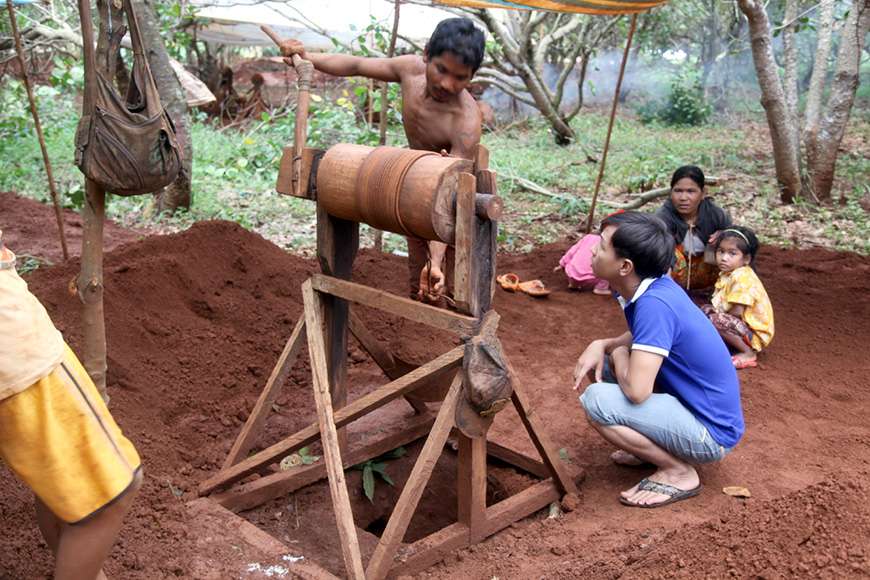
x=196 y=321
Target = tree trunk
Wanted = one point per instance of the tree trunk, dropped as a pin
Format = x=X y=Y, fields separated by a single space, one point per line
x=820 y=68
x=790 y=76
x=823 y=145
x=785 y=148
x=177 y=194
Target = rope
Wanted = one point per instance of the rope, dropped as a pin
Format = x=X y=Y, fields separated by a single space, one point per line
x=380 y=179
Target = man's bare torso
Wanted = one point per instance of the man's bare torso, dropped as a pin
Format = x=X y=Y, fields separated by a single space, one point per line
x=433 y=126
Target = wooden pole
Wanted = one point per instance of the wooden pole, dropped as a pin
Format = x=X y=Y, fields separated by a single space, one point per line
x=305 y=74
x=51 y=186
x=613 y=108
x=382 y=140
x=89 y=283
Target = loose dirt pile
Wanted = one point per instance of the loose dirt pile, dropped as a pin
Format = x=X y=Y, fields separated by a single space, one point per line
x=195 y=322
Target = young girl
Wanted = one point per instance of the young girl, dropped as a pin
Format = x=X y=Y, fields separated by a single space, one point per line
x=577 y=264
x=741 y=310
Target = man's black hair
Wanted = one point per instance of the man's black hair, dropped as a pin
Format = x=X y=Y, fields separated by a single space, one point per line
x=747 y=241
x=460 y=37
x=693 y=172
x=644 y=239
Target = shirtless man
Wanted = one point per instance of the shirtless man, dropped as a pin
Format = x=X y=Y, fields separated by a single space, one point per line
x=438 y=113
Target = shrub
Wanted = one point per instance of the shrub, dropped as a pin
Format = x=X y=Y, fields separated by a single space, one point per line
x=686 y=104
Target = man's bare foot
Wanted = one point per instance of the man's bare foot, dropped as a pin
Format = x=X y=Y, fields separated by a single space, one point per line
x=683 y=479
x=621 y=457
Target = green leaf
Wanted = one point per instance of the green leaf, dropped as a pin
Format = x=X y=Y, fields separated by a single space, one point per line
x=397 y=452
x=368 y=478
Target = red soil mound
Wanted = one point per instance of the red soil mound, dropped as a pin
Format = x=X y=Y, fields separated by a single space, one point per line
x=31 y=228
x=196 y=320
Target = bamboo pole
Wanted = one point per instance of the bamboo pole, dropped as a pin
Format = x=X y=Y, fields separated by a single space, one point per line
x=613 y=108
x=51 y=185
x=379 y=235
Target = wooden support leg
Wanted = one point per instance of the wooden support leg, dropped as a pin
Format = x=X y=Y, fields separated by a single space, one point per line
x=337 y=244
x=391 y=367
x=329 y=435
x=517 y=460
x=539 y=436
x=257 y=418
x=471 y=481
x=486 y=244
x=382 y=559
x=464 y=270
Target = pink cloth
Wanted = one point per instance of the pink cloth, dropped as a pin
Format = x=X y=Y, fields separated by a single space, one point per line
x=577 y=261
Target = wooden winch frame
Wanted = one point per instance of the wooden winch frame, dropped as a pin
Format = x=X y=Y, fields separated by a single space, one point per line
x=327 y=318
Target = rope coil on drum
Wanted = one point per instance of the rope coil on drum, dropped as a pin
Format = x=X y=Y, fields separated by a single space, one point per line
x=380 y=180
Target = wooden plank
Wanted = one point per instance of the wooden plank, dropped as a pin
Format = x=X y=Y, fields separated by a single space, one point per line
x=408 y=383
x=471 y=485
x=430 y=550
x=329 y=436
x=434 y=547
x=250 y=495
x=521 y=505
x=486 y=246
x=517 y=459
x=481 y=159
x=382 y=357
x=337 y=244
x=257 y=418
x=536 y=432
x=385 y=551
x=284 y=183
x=464 y=242
x=404 y=307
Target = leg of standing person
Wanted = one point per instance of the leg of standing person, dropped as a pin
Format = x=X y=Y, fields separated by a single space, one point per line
x=60 y=439
x=83 y=547
x=418 y=254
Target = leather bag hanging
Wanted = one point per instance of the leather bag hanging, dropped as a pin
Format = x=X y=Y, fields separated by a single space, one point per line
x=126 y=145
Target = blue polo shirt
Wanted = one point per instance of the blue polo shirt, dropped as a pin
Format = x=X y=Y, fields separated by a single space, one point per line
x=697 y=367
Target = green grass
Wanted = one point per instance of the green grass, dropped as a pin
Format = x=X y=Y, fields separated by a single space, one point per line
x=234 y=174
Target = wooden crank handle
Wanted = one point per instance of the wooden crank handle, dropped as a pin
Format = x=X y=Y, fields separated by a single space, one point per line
x=296 y=59
x=488 y=206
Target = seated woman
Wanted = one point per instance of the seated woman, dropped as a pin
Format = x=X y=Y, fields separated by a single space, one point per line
x=693 y=220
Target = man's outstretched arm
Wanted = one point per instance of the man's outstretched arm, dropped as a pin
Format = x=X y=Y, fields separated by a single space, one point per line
x=346 y=65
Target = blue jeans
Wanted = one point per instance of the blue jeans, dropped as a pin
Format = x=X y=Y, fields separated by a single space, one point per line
x=661 y=418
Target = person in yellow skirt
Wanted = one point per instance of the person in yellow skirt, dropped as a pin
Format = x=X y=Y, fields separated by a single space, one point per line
x=58 y=437
x=741 y=310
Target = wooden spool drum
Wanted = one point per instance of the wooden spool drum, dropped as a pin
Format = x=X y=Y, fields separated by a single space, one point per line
x=403 y=191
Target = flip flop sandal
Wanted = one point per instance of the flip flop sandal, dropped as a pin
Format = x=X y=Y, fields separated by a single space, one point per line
x=740 y=364
x=509 y=282
x=534 y=288
x=674 y=494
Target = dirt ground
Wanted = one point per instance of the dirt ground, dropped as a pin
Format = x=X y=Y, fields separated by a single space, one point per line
x=196 y=320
